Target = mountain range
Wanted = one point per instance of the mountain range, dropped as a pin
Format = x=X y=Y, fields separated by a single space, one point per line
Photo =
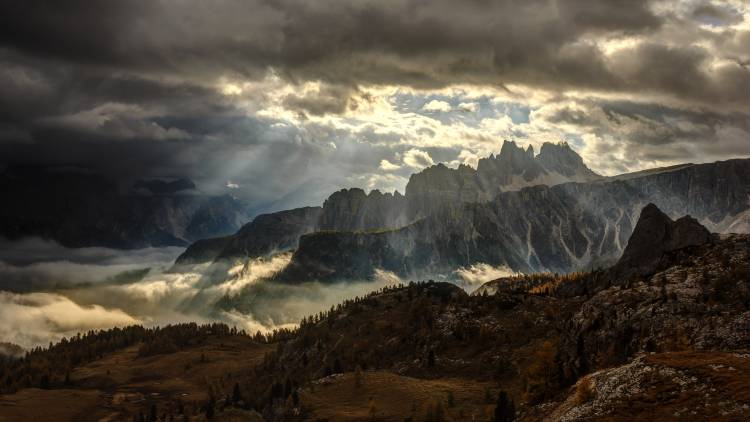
x=80 y=208
x=547 y=212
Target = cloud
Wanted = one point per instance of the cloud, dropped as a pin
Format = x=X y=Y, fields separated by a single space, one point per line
x=232 y=185
x=159 y=297
x=468 y=107
x=257 y=92
x=34 y=319
x=417 y=159
x=437 y=105
x=474 y=276
x=264 y=306
x=388 y=166
x=34 y=264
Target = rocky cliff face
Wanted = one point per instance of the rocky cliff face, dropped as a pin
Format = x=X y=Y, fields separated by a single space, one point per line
x=513 y=169
x=560 y=228
x=461 y=217
x=655 y=235
x=437 y=190
x=695 y=297
x=353 y=209
x=266 y=234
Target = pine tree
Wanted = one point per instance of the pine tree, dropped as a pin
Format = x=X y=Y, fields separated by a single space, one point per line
x=295 y=398
x=236 y=395
x=505 y=411
x=152 y=414
x=287 y=388
x=337 y=366
x=210 y=408
x=358 y=377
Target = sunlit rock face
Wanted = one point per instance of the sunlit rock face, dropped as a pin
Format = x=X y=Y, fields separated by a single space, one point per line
x=437 y=189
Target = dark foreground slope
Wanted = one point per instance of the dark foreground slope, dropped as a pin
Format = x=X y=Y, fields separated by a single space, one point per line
x=671 y=342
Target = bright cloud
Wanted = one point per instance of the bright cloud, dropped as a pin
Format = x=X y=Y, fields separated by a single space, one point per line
x=388 y=166
x=437 y=105
x=417 y=159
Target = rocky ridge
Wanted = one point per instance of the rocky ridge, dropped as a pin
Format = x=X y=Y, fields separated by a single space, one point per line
x=561 y=228
x=444 y=222
x=433 y=190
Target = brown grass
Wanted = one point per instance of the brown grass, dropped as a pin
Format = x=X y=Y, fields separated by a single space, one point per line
x=584 y=390
x=391 y=397
x=121 y=384
x=33 y=404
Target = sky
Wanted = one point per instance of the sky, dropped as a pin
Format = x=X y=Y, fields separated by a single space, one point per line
x=281 y=102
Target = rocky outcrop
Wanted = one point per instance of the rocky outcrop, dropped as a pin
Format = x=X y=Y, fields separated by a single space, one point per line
x=273 y=232
x=654 y=235
x=697 y=299
x=201 y=251
x=337 y=256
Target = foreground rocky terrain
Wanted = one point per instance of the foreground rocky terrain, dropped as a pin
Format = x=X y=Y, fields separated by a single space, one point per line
x=663 y=334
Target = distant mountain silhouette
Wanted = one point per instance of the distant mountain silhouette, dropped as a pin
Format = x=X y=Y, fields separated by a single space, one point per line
x=79 y=208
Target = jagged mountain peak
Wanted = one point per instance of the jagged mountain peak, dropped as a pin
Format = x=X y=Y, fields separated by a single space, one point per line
x=656 y=234
x=562 y=159
x=511 y=149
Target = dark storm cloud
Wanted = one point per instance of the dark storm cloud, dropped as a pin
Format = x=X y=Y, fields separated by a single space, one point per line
x=130 y=88
x=329 y=99
x=544 y=43
x=713 y=14
x=649 y=132
x=385 y=42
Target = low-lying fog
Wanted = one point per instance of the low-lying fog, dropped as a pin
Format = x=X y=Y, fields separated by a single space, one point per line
x=48 y=291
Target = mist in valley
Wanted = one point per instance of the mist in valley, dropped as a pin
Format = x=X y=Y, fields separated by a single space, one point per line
x=61 y=292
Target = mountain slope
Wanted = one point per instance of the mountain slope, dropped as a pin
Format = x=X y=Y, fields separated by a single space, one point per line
x=670 y=341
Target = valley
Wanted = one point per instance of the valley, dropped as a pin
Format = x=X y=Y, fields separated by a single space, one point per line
x=663 y=332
